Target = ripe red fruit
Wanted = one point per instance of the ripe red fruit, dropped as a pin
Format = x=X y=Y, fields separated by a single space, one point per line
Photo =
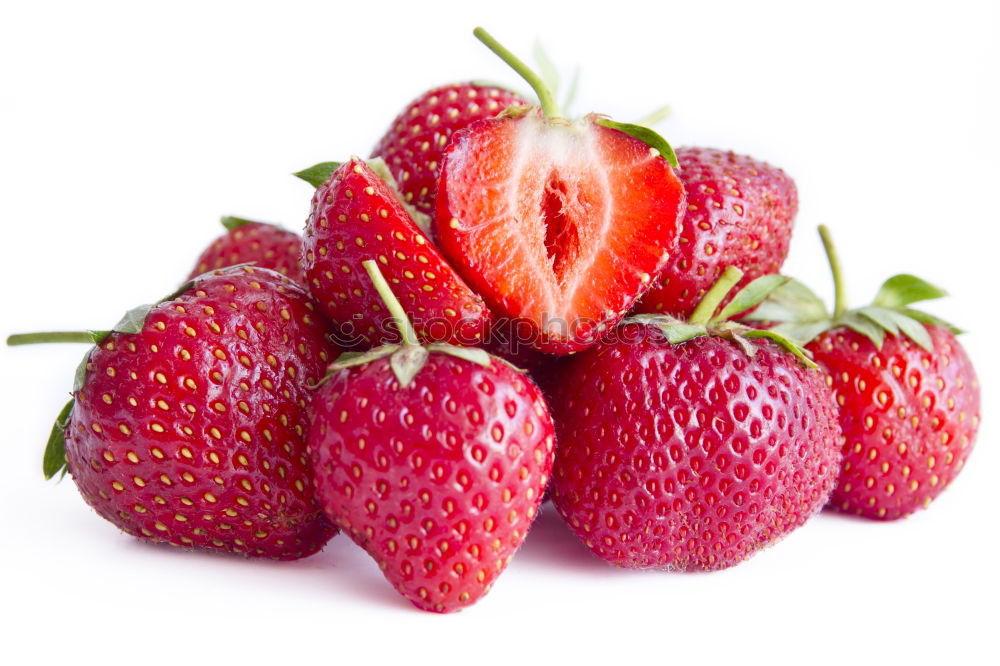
x=264 y=245
x=908 y=394
x=415 y=143
x=355 y=216
x=739 y=213
x=686 y=445
x=562 y=224
x=434 y=460
x=188 y=420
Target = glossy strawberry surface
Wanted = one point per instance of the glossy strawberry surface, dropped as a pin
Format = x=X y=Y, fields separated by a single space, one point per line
x=414 y=144
x=690 y=456
x=192 y=431
x=264 y=245
x=438 y=481
x=909 y=416
x=740 y=212
x=560 y=225
x=356 y=216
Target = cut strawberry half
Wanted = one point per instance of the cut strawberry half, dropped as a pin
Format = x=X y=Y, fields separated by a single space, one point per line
x=561 y=224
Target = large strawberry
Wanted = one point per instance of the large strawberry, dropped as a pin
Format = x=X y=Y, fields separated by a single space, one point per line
x=433 y=459
x=356 y=215
x=262 y=244
x=188 y=419
x=907 y=391
x=562 y=224
x=415 y=143
x=692 y=444
x=739 y=213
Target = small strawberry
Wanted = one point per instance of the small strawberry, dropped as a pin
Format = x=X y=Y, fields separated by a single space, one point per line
x=739 y=213
x=433 y=459
x=413 y=146
x=187 y=424
x=264 y=245
x=562 y=224
x=907 y=391
x=356 y=215
x=692 y=444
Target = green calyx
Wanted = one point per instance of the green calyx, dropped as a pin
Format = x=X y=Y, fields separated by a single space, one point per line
x=708 y=320
x=801 y=314
x=320 y=174
x=232 y=223
x=408 y=358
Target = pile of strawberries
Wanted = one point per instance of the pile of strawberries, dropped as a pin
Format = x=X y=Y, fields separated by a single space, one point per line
x=505 y=305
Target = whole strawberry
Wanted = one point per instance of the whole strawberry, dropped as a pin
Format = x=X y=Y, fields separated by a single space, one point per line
x=356 y=215
x=264 y=245
x=561 y=224
x=907 y=391
x=739 y=213
x=433 y=459
x=188 y=424
x=692 y=444
x=413 y=146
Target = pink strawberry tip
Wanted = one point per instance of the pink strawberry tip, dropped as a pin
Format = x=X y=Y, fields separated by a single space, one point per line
x=802 y=315
x=708 y=320
x=407 y=359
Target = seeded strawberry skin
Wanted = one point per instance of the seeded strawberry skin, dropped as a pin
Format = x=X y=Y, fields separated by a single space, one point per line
x=740 y=212
x=909 y=417
x=189 y=433
x=413 y=146
x=438 y=482
x=689 y=456
x=264 y=245
x=356 y=216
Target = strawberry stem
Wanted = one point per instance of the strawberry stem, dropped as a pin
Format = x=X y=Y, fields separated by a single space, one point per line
x=50 y=336
x=714 y=296
x=545 y=97
x=839 y=293
x=392 y=303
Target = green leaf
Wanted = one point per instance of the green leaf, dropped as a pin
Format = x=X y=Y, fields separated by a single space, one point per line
x=865 y=327
x=547 y=69
x=54 y=459
x=880 y=316
x=644 y=134
x=786 y=343
x=655 y=117
x=574 y=85
x=81 y=372
x=791 y=302
x=903 y=289
x=133 y=320
x=930 y=320
x=318 y=174
x=803 y=332
x=407 y=362
x=682 y=332
x=470 y=354
x=230 y=222
x=751 y=295
x=914 y=330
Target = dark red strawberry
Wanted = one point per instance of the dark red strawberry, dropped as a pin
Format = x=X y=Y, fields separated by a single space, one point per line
x=739 y=213
x=356 y=215
x=907 y=391
x=562 y=224
x=264 y=245
x=434 y=460
x=413 y=146
x=692 y=444
x=188 y=419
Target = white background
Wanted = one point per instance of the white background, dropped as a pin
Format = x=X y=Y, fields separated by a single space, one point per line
x=126 y=130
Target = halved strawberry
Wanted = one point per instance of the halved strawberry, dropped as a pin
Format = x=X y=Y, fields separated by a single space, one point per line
x=356 y=215
x=562 y=224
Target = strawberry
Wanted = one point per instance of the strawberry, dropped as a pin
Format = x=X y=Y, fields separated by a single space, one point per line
x=562 y=224
x=264 y=245
x=187 y=424
x=413 y=146
x=739 y=213
x=907 y=391
x=356 y=215
x=433 y=459
x=692 y=444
